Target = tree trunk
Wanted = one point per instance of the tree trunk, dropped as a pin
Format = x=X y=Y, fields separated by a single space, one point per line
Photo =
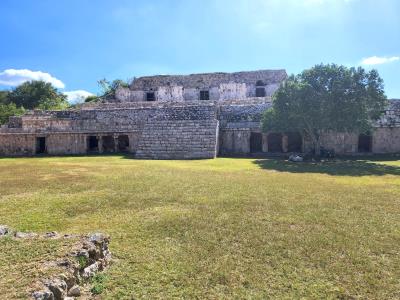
x=315 y=138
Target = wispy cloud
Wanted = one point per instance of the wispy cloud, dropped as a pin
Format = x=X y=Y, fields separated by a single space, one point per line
x=13 y=77
x=77 y=96
x=379 y=60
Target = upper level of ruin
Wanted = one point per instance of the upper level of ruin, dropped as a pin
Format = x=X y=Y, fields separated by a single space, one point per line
x=207 y=86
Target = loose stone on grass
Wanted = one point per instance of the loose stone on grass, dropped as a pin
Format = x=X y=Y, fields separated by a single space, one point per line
x=89 y=257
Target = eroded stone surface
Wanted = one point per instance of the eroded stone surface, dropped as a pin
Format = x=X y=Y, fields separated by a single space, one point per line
x=58 y=287
x=25 y=235
x=92 y=248
x=74 y=291
x=43 y=295
x=4 y=230
x=179 y=125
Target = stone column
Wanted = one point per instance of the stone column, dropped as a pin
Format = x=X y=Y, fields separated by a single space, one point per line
x=115 y=143
x=264 y=142
x=285 y=142
x=100 y=143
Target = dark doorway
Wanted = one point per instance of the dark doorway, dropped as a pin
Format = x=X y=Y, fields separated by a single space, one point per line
x=204 y=95
x=260 y=92
x=150 y=96
x=295 y=142
x=275 y=142
x=255 y=142
x=40 y=145
x=108 y=143
x=364 y=143
x=123 y=143
x=92 y=144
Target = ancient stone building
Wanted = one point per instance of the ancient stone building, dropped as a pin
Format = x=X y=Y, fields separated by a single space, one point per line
x=179 y=117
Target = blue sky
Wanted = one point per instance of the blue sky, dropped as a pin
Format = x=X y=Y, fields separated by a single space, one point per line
x=74 y=43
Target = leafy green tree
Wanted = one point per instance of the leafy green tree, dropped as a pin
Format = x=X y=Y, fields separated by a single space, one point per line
x=327 y=98
x=92 y=99
x=8 y=110
x=109 y=87
x=38 y=94
x=4 y=97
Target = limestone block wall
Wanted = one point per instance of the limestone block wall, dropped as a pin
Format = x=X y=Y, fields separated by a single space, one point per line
x=234 y=141
x=221 y=86
x=180 y=132
x=173 y=129
x=222 y=92
x=342 y=143
x=66 y=143
x=386 y=140
x=228 y=91
x=179 y=139
x=170 y=93
x=17 y=144
x=126 y=95
x=237 y=120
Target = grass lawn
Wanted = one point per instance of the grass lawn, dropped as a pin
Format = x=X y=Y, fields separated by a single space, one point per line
x=215 y=229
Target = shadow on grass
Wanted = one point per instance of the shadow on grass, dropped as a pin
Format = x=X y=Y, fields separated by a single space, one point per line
x=338 y=167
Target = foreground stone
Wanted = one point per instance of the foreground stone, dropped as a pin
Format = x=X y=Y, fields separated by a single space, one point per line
x=90 y=256
x=4 y=230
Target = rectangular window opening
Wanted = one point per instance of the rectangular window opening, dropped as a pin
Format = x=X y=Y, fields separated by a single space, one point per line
x=204 y=95
x=260 y=92
x=150 y=96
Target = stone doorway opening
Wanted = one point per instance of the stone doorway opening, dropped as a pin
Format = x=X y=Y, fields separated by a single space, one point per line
x=108 y=143
x=123 y=143
x=295 y=142
x=40 y=145
x=364 y=143
x=255 y=142
x=150 y=96
x=275 y=142
x=92 y=144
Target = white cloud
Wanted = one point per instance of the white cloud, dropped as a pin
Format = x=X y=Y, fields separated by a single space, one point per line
x=77 y=96
x=376 y=60
x=13 y=77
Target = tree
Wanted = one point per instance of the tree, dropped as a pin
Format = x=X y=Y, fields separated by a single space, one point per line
x=3 y=97
x=38 y=94
x=92 y=98
x=108 y=88
x=327 y=98
x=8 y=110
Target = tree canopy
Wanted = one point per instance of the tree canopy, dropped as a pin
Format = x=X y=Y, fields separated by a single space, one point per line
x=4 y=97
x=30 y=95
x=8 y=110
x=109 y=87
x=38 y=95
x=92 y=98
x=327 y=98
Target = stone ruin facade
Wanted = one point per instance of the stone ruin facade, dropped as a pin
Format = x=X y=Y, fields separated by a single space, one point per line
x=183 y=117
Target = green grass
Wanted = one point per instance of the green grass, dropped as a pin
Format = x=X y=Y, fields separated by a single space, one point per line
x=215 y=229
x=24 y=262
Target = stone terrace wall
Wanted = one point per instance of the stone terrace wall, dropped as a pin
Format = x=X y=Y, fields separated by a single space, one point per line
x=237 y=120
x=208 y=79
x=220 y=86
x=154 y=131
x=180 y=132
x=177 y=139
